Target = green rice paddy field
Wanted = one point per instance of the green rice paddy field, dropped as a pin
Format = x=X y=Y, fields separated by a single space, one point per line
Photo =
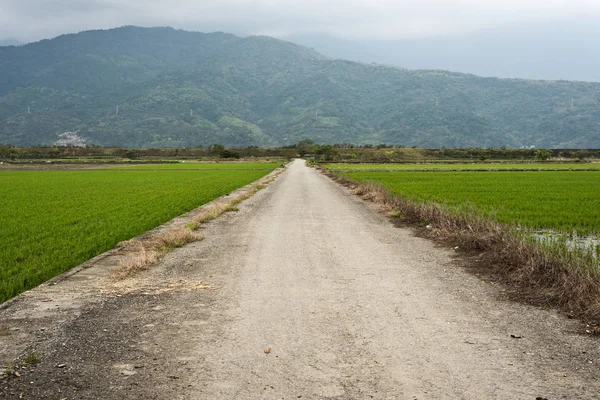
x=467 y=167
x=51 y=221
x=562 y=201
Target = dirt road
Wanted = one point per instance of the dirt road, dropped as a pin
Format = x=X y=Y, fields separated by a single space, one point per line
x=306 y=292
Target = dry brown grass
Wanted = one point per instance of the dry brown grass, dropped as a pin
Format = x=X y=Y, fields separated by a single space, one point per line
x=137 y=262
x=175 y=238
x=217 y=209
x=209 y=214
x=553 y=274
x=147 y=251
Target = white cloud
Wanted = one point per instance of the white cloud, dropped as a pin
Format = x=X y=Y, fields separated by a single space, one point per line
x=389 y=19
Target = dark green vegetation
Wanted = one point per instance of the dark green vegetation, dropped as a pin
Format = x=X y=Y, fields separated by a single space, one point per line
x=380 y=153
x=60 y=154
x=210 y=166
x=51 y=221
x=563 y=201
x=175 y=88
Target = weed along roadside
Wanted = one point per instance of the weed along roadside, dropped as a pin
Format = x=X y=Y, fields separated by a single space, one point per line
x=547 y=273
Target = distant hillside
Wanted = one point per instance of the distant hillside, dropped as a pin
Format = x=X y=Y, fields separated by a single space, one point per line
x=10 y=42
x=159 y=87
x=556 y=49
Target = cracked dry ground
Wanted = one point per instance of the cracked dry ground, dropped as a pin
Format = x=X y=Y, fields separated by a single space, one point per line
x=306 y=292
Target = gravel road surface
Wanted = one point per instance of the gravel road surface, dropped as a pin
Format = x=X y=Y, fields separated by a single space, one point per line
x=305 y=293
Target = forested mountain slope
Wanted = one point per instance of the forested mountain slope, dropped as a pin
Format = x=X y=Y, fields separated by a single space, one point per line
x=158 y=87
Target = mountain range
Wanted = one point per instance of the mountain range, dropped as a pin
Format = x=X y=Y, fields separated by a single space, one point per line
x=161 y=87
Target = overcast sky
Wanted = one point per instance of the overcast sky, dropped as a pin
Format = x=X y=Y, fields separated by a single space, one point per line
x=30 y=20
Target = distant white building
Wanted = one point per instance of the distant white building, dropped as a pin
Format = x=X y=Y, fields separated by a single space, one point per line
x=70 y=139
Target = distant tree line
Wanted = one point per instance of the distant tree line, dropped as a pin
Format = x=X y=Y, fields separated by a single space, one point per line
x=343 y=152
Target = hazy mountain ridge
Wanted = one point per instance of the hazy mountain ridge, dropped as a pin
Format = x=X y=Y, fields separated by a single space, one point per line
x=163 y=87
x=10 y=42
x=561 y=49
